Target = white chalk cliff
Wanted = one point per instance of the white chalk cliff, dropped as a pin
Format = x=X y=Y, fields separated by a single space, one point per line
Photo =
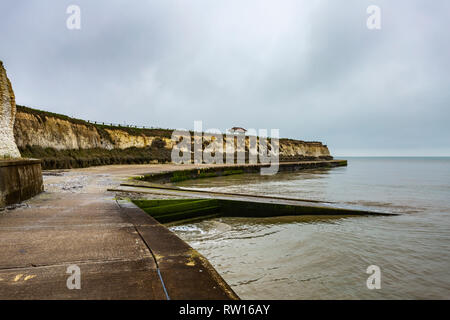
x=8 y=147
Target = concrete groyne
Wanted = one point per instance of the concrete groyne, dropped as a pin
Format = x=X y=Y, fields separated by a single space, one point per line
x=193 y=204
x=181 y=174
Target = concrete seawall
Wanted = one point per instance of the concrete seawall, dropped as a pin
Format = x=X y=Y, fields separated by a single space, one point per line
x=20 y=180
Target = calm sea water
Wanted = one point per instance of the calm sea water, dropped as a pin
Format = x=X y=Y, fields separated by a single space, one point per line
x=322 y=258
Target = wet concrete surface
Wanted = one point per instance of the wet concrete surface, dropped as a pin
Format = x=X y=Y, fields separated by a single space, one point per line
x=122 y=252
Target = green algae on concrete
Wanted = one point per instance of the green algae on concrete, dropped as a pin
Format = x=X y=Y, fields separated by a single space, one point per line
x=186 y=210
x=171 y=210
x=182 y=175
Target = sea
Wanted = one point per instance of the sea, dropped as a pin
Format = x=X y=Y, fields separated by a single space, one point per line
x=406 y=256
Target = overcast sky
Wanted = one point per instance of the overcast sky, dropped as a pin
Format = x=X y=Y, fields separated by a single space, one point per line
x=310 y=68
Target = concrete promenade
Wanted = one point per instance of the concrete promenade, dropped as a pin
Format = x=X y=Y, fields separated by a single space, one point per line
x=122 y=252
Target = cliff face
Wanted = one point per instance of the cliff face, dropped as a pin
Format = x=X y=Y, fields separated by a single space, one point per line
x=296 y=148
x=8 y=147
x=37 y=128
x=65 y=142
x=49 y=132
x=123 y=140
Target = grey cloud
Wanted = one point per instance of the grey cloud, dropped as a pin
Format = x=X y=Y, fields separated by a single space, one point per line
x=309 y=68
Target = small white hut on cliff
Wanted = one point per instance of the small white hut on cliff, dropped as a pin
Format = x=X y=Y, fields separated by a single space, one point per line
x=237 y=130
